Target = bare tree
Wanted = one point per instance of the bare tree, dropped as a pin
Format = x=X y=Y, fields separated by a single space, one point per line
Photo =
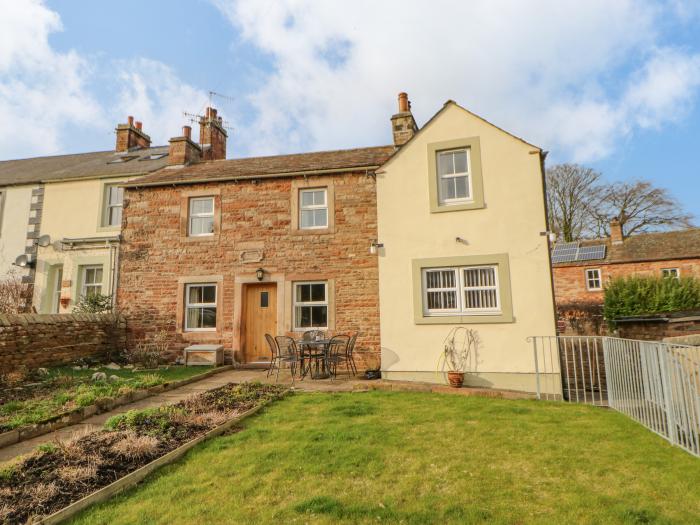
x=15 y=295
x=572 y=197
x=640 y=207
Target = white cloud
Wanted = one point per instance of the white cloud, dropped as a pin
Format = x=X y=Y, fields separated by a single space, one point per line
x=40 y=89
x=48 y=100
x=574 y=77
x=152 y=92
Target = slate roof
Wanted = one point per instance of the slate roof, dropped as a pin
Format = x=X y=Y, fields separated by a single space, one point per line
x=682 y=244
x=81 y=165
x=273 y=166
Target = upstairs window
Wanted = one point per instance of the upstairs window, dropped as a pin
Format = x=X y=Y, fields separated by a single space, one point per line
x=671 y=273
x=113 y=204
x=201 y=216
x=454 y=184
x=313 y=208
x=593 y=280
x=200 y=307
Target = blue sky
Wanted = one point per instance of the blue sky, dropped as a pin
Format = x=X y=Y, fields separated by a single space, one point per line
x=612 y=85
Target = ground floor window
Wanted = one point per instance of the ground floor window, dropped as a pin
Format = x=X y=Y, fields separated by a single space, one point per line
x=310 y=304
x=200 y=307
x=672 y=273
x=465 y=289
x=593 y=280
x=91 y=281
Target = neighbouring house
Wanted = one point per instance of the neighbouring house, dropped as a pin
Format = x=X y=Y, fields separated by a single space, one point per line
x=222 y=252
x=581 y=270
x=61 y=217
x=462 y=243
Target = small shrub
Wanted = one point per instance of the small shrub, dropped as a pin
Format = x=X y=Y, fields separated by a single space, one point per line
x=85 y=399
x=77 y=473
x=148 y=380
x=149 y=354
x=134 y=446
x=47 y=448
x=15 y=295
x=41 y=492
x=94 y=304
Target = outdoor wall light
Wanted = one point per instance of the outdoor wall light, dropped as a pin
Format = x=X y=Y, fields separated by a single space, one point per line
x=374 y=246
x=259 y=274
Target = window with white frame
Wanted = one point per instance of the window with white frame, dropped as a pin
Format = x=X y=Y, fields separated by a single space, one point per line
x=200 y=307
x=91 y=281
x=466 y=289
x=454 y=182
x=113 y=203
x=673 y=273
x=593 y=280
x=313 y=208
x=310 y=305
x=201 y=216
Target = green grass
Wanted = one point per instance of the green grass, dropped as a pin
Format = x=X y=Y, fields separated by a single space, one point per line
x=420 y=458
x=74 y=388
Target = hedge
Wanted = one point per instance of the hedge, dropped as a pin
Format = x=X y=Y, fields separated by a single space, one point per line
x=635 y=295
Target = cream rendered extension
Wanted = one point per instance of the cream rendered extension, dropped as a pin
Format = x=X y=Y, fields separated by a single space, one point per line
x=504 y=229
x=74 y=209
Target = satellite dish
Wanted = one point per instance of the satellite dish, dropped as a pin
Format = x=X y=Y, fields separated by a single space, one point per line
x=44 y=241
x=24 y=261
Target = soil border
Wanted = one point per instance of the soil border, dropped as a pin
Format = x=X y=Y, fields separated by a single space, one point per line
x=71 y=417
x=135 y=477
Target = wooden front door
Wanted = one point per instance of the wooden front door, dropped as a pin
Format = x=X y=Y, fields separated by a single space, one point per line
x=260 y=318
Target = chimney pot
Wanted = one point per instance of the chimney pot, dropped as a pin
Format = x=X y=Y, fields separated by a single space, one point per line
x=212 y=136
x=403 y=103
x=131 y=120
x=187 y=132
x=138 y=124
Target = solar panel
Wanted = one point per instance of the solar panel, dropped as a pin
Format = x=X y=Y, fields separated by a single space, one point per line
x=564 y=252
x=571 y=252
x=587 y=253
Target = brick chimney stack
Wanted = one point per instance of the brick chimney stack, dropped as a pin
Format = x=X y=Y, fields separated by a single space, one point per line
x=212 y=136
x=131 y=135
x=183 y=150
x=616 y=231
x=403 y=125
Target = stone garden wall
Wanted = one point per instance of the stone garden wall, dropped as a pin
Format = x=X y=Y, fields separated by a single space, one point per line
x=37 y=340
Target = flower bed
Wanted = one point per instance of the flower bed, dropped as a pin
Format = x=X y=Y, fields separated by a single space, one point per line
x=41 y=403
x=61 y=473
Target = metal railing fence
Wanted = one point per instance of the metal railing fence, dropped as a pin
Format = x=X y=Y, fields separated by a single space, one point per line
x=655 y=383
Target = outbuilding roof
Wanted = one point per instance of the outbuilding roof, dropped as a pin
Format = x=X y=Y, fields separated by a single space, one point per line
x=681 y=244
x=272 y=166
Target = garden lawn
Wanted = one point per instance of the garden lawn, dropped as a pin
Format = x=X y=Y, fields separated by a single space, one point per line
x=64 y=389
x=420 y=458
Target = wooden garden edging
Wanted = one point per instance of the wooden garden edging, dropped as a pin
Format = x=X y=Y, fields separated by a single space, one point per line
x=71 y=417
x=138 y=475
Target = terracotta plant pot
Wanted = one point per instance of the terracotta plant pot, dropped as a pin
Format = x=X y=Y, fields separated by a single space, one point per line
x=456 y=379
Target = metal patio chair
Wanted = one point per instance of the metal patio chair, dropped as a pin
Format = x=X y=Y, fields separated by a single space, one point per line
x=337 y=353
x=349 y=354
x=287 y=352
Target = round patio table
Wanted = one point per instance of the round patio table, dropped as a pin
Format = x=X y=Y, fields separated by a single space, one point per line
x=324 y=344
